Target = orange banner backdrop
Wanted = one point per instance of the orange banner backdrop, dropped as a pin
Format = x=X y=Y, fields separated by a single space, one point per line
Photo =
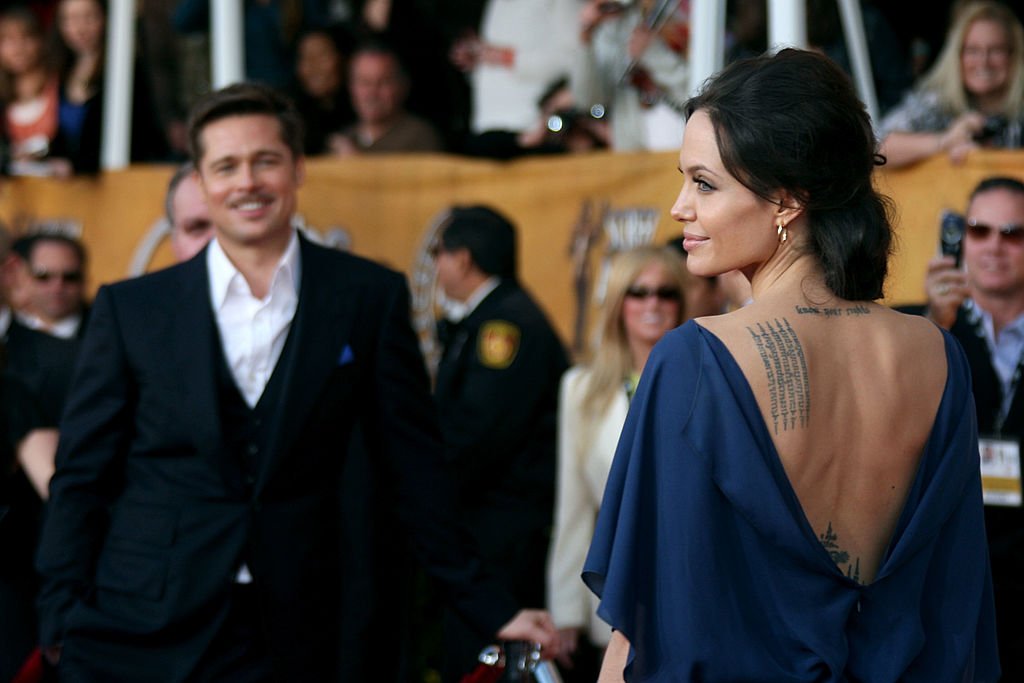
x=387 y=205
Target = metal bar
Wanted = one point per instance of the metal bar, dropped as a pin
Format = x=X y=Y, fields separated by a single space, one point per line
x=115 y=150
x=227 y=42
x=787 y=24
x=860 y=59
x=707 y=45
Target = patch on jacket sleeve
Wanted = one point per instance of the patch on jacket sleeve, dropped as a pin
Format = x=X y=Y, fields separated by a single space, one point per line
x=498 y=344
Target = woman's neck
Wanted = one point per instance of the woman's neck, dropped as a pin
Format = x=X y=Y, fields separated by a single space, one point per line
x=639 y=351
x=791 y=270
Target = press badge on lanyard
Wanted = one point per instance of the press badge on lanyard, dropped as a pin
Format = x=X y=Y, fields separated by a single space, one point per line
x=1000 y=471
x=1000 y=457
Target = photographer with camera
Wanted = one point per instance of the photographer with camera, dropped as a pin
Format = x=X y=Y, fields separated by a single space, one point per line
x=972 y=97
x=982 y=304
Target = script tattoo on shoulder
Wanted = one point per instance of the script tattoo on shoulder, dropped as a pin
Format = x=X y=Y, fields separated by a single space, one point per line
x=786 y=369
x=830 y=540
x=856 y=310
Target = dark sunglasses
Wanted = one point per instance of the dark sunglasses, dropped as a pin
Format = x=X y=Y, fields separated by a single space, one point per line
x=1011 y=232
x=68 y=276
x=662 y=293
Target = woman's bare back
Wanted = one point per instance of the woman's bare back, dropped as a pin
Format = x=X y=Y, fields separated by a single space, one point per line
x=849 y=393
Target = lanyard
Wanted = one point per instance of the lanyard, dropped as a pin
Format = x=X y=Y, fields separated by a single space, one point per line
x=975 y=318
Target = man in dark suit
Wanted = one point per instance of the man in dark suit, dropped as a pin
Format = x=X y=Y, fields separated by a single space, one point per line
x=497 y=393
x=193 y=526
x=983 y=307
x=42 y=335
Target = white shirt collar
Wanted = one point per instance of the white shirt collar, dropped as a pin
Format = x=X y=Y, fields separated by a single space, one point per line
x=65 y=328
x=224 y=275
x=457 y=311
x=5 y=320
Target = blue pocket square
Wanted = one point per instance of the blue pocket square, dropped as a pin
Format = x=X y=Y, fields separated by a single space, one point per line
x=346 y=356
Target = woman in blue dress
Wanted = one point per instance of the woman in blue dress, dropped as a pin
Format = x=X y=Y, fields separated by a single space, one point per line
x=796 y=493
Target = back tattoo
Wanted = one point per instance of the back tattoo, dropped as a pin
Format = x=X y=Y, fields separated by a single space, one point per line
x=786 y=369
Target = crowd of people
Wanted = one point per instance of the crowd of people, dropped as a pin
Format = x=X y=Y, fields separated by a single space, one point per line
x=245 y=469
x=484 y=78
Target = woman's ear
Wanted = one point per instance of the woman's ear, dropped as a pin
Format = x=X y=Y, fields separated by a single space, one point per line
x=788 y=209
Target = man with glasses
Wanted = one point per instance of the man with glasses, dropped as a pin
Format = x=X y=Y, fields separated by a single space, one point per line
x=982 y=304
x=42 y=335
x=54 y=300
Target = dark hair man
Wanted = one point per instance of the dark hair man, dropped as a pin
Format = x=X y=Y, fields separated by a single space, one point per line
x=982 y=304
x=54 y=289
x=193 y=527
x=497 y=392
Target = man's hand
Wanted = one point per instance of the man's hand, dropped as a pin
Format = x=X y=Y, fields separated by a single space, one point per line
x=52 y=654
x=535 y=626
x=946 y=287
x=568 y=642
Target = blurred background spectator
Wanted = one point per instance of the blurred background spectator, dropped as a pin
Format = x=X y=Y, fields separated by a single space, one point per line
x=379 y=86
x=643 y=301
x=321 y=93
x=633 y=67
x=973 y=96
x=52 y=92
x=522 y=49
x=187 y=213
x=420 y=31
x=54 y=302
x=29 y=91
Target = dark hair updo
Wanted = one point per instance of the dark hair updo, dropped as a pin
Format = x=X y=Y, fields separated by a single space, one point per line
x=793 y=122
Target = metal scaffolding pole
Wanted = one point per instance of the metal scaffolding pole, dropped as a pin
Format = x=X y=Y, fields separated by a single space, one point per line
x=857 y=45
x=227 y=42
x=707 y=45
x=787 y=24
x=115 y=151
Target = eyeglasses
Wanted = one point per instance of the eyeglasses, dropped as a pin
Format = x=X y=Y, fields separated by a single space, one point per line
x=977 y=52
x=71 y=277
x=1012 y=233
x=662 y=293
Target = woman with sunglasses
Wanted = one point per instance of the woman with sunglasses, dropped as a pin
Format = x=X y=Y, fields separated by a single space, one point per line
x=982 y=305
x=642 y=302
x=796 y=493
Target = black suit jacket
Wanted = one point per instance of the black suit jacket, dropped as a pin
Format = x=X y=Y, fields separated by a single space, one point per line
x=149 y=518
x=44 y=363
x=499 y=424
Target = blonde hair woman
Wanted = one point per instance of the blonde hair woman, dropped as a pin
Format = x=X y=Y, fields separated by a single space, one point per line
x=643 y=302
x=973 y=96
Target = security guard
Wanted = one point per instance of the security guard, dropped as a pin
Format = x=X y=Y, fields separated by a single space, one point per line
x=497 y=390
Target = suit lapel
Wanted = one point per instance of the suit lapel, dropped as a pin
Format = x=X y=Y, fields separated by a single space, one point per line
x=321 y=328
x=195 y=343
